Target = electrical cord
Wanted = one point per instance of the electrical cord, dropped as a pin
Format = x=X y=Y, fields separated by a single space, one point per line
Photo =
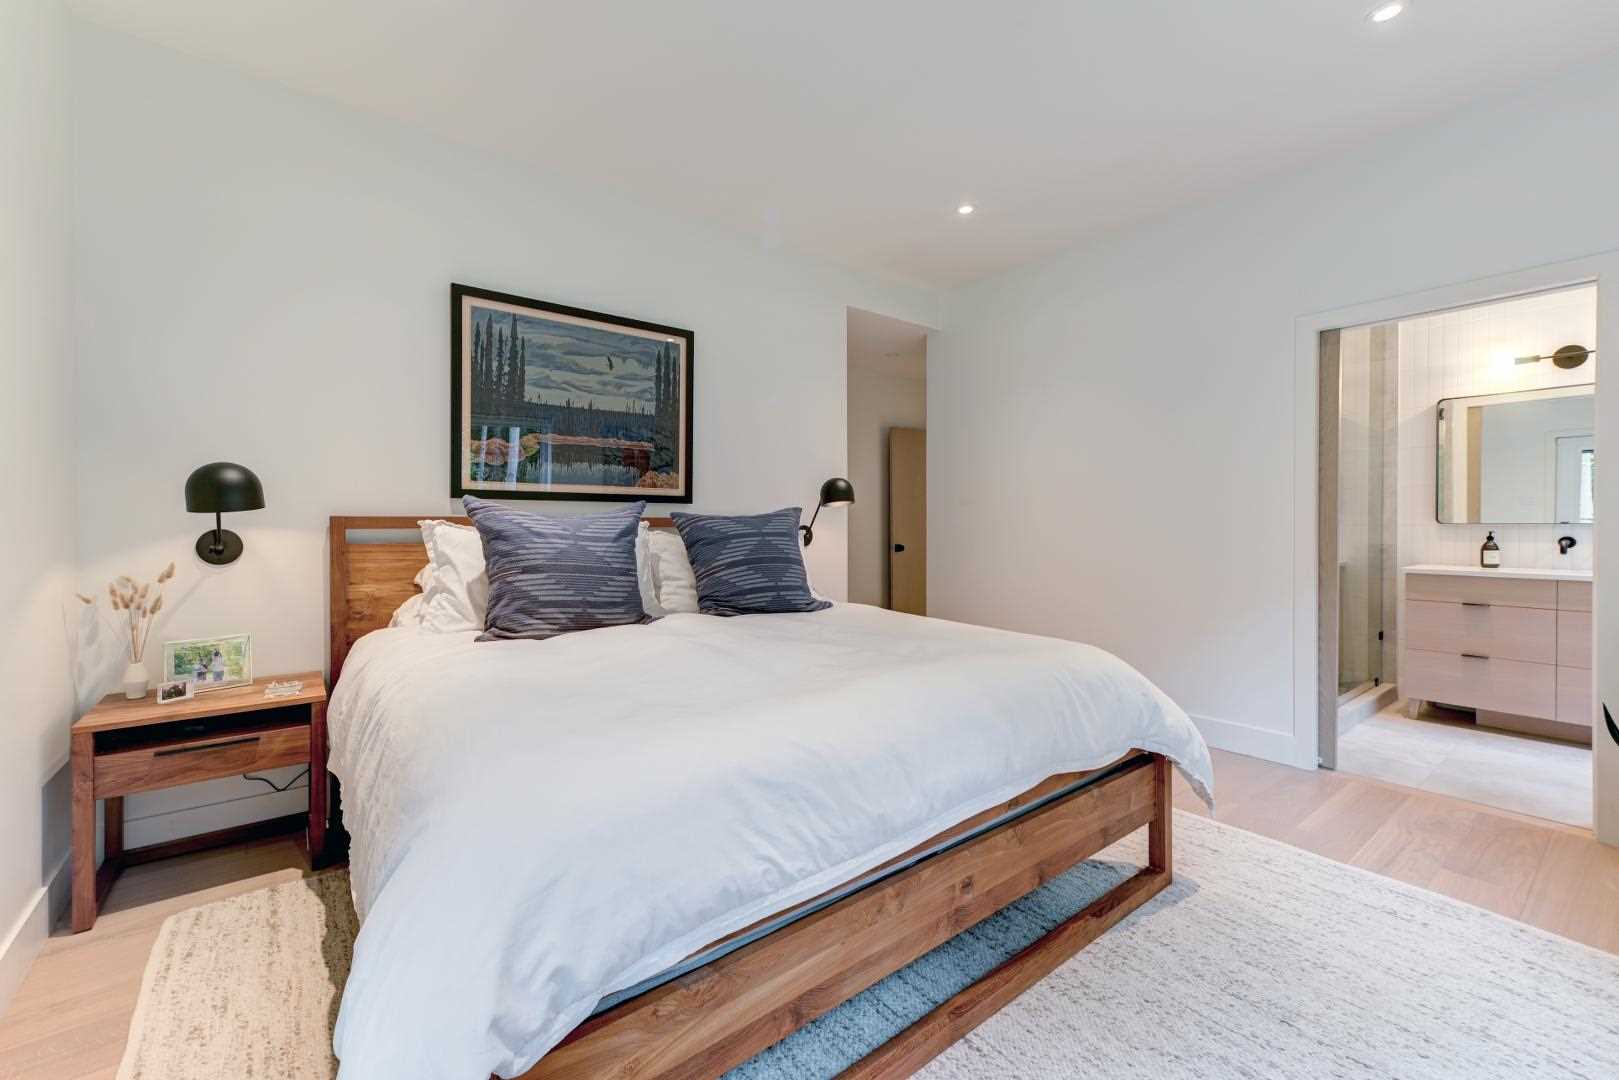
x=271 y=783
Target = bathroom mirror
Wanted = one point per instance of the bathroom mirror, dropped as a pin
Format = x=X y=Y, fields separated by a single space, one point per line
x=1517 y=459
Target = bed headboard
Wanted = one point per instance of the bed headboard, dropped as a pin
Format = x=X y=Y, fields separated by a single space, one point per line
x=370 y=579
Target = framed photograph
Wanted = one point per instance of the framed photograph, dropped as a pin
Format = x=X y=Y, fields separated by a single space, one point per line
x=178 y=690
x=209 y=663
x=553 y=402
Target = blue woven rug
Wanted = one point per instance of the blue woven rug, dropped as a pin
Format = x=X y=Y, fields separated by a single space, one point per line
x=827 y=1046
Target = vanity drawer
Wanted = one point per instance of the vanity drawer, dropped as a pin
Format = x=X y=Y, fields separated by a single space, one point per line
x=1506 y=592
x=1574 y=696
x=125 y=772
x=1574 y=595
x=1501 y=685
x=1512 y=633
x=1574 y=639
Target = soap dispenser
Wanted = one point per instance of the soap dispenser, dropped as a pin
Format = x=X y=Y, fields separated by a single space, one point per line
x=1489 y=556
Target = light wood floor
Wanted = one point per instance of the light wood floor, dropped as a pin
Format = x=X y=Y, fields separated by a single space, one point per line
x=71 y=1015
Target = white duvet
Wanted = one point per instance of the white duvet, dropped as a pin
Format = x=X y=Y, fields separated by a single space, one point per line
x=538 y=824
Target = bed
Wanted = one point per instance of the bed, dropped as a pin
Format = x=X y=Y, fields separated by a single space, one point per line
x=649 y=852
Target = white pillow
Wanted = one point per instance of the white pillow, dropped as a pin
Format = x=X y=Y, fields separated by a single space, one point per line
x=644 y=576
x=672 y=574
x=456 y=597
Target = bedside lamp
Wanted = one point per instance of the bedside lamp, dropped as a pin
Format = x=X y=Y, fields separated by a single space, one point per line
x=835 y=492
x=222 y=487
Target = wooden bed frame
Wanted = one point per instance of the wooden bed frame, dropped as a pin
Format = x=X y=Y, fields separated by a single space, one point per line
x=721 y=1013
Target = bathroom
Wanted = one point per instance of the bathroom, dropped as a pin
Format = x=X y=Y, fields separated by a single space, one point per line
x=1462 y=575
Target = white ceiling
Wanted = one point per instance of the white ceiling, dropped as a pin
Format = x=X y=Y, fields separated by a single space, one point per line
x=851 y=130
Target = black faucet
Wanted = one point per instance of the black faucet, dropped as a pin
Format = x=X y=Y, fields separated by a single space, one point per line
x=1564 y=543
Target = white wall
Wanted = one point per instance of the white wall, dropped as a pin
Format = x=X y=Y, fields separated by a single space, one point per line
x=264 y=278
x=1113 y=450
x=36 y=478
x=882 y=396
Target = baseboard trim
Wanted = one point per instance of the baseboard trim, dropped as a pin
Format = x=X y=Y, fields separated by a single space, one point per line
x=28 y=934
x=1251 y=741
x=142 y=830
x=234 y=834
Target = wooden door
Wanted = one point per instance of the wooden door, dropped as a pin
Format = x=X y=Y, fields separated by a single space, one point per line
x=908 y=520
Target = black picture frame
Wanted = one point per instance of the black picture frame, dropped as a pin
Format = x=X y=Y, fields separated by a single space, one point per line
x=464 y=340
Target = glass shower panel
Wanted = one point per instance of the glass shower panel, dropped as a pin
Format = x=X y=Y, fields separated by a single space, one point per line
x=1361 y=419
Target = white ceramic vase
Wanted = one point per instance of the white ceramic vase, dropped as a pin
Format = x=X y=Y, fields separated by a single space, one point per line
x=135 y=680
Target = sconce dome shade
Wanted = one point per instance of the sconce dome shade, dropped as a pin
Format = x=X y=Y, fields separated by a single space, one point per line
x=1571 y=356
x=837 y=492
x=223 y=487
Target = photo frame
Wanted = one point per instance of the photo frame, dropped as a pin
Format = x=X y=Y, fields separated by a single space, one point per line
x=556 y=402
x=177 y=690
x=211 y=663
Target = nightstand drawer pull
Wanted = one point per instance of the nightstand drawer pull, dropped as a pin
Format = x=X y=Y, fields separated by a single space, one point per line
x=249 y=741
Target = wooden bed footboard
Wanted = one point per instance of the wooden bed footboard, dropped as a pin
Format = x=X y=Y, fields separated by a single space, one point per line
x=720 y=1015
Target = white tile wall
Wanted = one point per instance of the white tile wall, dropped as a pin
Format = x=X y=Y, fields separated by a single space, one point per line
x=1467 y=352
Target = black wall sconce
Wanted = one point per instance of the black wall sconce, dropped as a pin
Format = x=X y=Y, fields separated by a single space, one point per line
x=835 y=492
x=222 y=487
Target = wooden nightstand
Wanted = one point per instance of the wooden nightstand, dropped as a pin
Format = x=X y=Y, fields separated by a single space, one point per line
x=122 y=747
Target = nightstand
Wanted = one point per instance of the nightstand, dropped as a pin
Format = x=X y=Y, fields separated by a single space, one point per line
x=123 y=747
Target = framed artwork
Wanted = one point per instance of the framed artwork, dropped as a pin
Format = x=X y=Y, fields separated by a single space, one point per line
x=210 y=663
x=553 y=402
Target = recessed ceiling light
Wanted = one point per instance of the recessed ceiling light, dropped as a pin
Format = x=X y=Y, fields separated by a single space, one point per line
x=1384 y=12
x=965 y=208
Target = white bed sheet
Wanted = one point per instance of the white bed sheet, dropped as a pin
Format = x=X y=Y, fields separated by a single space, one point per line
x=538 y=824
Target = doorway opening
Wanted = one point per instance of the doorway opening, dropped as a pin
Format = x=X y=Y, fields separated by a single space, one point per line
x=1456 y=500
x=887 y=433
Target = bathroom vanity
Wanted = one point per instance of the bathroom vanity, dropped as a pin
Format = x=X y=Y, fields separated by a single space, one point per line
x=1514 y=645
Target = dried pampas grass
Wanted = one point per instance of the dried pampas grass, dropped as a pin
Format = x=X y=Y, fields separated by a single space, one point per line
x=143 y=601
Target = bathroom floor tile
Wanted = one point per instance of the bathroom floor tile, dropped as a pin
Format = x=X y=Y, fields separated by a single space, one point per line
x=1444 y=752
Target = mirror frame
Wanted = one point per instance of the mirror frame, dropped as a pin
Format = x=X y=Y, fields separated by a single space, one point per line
x=1439 y=444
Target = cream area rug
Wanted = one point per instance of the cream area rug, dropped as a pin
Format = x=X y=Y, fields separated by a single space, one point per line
x=1260 y=961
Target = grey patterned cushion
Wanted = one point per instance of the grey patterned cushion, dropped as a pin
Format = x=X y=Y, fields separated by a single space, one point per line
x=747 y=565
x=554 y=574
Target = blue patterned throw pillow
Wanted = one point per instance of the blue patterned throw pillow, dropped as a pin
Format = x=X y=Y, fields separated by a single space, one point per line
x=553 y=574
x=747 y=565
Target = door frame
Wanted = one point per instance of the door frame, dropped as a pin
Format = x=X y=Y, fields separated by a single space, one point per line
x=1601 y=269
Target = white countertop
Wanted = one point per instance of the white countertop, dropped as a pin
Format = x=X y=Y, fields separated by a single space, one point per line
x=1503 y=572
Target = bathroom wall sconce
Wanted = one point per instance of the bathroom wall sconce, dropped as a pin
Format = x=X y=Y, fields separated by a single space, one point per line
x=835 y=492
x=1569 y=356
x=222 y=487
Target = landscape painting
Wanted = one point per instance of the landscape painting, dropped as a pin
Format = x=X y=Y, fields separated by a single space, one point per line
x=553 y=402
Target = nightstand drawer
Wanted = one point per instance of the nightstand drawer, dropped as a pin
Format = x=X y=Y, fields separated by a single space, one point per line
x=205 y=758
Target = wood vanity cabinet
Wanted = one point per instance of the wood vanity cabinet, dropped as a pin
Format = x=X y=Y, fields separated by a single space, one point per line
x=1516 y=649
